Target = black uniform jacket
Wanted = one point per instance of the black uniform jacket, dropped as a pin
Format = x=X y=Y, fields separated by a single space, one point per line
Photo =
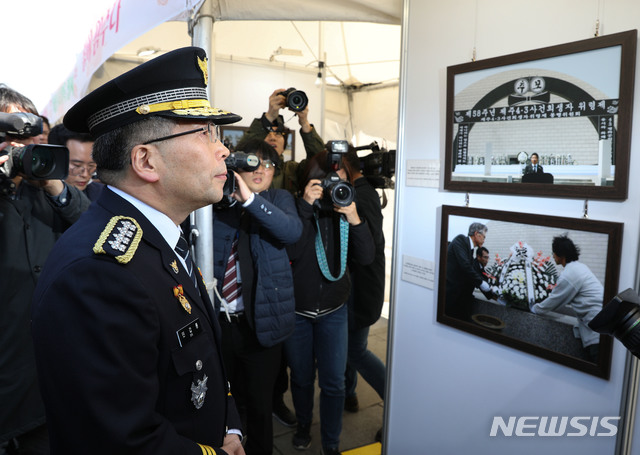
x=119 y=347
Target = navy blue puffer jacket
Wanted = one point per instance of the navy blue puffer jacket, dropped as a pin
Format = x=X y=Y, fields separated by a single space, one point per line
x=272 y=223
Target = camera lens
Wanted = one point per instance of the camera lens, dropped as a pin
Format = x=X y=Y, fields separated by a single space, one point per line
x=621 y=318
x=297 y=100
x=42 y=163
x=342 y=194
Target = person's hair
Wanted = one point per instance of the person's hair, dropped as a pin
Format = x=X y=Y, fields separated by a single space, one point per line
x=562 y=246
x=316 y=168
x=9 y=97
x=351 y=164
x=45 y=120
x=480 y=251
x=263 y=150
x=60 y=134
x=537 y=156
x=112 y=150
x=477 y=227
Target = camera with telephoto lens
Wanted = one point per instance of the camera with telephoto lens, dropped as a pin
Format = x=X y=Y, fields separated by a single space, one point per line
x=296 y=100
x=236 y=161
x=335 y=190
x=621 y=318
x=35 y=161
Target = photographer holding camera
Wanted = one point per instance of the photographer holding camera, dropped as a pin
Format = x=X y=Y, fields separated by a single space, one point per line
x=270 y=128
x=254 y=279
x=33 y=215
x=333 y=233
x=82 y=167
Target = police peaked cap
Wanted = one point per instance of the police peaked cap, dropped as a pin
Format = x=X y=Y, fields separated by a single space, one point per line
x=170 y=85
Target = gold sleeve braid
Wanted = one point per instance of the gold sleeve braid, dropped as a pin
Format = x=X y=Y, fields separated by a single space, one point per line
x=206 y=450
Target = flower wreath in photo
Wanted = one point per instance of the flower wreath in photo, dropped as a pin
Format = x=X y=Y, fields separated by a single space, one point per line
x=524 y=278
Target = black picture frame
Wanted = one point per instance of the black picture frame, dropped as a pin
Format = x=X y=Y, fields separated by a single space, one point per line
x=569 y=104
x=549 y=337
x=231 y=135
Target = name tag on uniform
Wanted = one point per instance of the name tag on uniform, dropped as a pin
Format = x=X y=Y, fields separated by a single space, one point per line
x=188 y=332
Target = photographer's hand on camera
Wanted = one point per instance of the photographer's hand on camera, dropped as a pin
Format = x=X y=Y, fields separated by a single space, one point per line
x=313 y=191
x=242 y=192
x=276 y=102
x=5 y=158
x=303 y=119
x=350 y=212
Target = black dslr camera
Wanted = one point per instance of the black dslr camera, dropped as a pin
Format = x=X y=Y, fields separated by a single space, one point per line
x=236 y=161
x=335 y=190
x=621 y=319
x=35 y=161
x=296 y=100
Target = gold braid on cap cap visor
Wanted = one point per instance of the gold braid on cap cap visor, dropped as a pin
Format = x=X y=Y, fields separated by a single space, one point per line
x=175 y=106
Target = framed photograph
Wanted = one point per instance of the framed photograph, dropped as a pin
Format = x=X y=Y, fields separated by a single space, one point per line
x=545 y=278
x=548 y=122
x=231 y=135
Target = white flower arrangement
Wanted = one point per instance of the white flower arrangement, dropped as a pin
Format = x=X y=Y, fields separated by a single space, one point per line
x=523 y=277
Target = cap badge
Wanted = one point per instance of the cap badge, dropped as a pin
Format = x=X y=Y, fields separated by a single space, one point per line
x=199 y=391
x=178 y=293
x=202 y=64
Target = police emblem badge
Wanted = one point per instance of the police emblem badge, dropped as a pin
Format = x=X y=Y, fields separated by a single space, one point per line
x=199 y=391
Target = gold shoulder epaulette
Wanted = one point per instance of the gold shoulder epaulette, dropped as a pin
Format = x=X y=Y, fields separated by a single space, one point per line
x=119 y=239
x=206 y=450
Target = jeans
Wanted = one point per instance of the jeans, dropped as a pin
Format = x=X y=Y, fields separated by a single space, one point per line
x=365 y=362
x=320 y=342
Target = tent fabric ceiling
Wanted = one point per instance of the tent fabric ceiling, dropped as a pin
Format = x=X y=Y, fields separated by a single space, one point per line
x=380 y=11
x=356 y=52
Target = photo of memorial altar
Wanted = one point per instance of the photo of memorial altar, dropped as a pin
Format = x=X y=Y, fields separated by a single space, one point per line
x=558 y=125
x=519 y=257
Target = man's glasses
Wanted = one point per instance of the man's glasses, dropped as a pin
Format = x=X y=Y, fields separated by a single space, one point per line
x=78 y=169
x=213 y=131
x=267 y=164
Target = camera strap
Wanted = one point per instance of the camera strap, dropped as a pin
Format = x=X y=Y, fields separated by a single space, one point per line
x=344 y=247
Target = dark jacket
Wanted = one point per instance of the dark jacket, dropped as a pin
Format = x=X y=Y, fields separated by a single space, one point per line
x=462 y=278
x=29 y=226
x=316 y=295
x=270 y=222
x=368 y=280
x=117 y=351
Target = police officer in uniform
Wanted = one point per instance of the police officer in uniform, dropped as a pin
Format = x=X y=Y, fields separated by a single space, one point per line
x=126 y=342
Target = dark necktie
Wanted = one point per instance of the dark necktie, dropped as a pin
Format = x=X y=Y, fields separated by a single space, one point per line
x=230 y=286
x=182 y=248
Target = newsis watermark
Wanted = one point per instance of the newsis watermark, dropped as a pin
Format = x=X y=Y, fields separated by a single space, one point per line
x=546 y=426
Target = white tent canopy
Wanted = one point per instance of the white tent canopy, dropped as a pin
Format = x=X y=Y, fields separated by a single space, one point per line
x=127 y=20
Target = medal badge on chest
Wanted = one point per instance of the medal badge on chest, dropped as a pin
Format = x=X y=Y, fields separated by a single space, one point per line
x=199 y=391
x=178 y=293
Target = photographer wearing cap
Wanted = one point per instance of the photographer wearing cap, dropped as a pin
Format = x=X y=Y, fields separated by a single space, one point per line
x=254 y=278
x=271 y=128
x=129 y=357
x=33 y=215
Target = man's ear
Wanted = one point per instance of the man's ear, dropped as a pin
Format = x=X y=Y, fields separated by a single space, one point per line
x=144 y=162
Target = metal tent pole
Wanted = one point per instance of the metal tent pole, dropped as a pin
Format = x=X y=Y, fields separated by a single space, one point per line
x=202 y=26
